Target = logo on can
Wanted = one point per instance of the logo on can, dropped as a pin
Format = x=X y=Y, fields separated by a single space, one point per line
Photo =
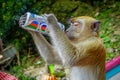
x=43 y=26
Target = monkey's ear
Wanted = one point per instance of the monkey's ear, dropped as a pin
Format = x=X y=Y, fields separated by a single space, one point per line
x=95 y=26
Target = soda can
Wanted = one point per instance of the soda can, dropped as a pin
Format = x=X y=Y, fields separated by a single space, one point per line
x=35 y=22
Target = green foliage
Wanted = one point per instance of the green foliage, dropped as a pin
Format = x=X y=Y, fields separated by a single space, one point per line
x=109 y=27
x=26 y=61
x=18 y=72
x=10 y=13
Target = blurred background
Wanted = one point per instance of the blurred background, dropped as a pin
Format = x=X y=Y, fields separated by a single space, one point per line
x=107 y=11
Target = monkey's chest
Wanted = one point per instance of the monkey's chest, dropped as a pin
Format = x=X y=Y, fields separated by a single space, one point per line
x=83 y=73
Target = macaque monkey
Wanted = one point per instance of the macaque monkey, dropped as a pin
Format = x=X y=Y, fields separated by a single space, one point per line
x=80 y=48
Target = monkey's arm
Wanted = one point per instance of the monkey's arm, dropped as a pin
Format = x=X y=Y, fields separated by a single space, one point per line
x=45 y=49
x=61 y=42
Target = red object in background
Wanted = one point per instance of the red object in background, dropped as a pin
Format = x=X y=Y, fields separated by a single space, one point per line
x=6 y=76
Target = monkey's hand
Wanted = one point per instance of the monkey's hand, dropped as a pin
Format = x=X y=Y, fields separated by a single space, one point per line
x=51 y=19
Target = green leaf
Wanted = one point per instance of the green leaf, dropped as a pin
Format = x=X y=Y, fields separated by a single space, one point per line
x=51 y=68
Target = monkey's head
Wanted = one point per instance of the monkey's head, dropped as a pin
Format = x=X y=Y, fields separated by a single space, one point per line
x=83 y=27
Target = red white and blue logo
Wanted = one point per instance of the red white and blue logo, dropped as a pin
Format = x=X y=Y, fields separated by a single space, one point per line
x=33 y=25
x=43 y=26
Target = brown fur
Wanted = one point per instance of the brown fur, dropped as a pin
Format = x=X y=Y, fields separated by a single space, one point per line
x=85 y=49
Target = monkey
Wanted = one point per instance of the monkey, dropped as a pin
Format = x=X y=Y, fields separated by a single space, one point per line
x=80 y=48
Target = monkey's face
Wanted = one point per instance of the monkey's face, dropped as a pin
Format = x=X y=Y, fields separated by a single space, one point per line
x=75 y=29
x=82 y=26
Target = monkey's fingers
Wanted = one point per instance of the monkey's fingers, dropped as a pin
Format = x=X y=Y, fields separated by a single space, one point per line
x=45 y=17
x=22 y=20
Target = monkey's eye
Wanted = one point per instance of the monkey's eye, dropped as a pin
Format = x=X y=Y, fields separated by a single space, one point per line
x=76 y=23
